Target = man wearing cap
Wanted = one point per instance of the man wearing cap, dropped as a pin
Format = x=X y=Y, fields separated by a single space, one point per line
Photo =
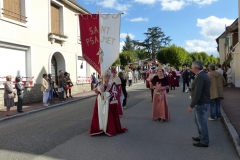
x=150 y=77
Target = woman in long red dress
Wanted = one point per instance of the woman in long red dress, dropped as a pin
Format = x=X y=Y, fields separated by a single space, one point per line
x=160 y=109
x=105 y=115
x=173 y=79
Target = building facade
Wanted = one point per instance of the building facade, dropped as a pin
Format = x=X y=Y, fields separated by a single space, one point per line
x=40 y=37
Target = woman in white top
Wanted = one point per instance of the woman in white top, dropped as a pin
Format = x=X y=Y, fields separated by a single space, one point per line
x=229 y=76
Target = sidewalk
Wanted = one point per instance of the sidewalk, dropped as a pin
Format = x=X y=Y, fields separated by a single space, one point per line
x=231 y=114
x=38 y=106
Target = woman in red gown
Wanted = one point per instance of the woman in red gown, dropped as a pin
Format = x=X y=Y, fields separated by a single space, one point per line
x=105 y=115
x=160 y=84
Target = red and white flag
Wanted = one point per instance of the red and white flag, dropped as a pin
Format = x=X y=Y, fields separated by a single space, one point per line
x=100 y=39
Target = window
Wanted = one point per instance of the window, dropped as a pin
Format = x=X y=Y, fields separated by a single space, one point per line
x=55 y=19
x=15 y=10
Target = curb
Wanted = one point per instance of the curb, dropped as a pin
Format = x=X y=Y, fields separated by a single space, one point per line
x=52 y=106
x=233 y=133
x=41 y=109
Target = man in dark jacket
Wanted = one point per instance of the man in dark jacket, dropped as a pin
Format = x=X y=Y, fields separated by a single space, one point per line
x=200 y=96
x=185 y=77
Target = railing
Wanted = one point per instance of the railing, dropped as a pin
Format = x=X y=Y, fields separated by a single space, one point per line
x=14 y=16
x=26 y=81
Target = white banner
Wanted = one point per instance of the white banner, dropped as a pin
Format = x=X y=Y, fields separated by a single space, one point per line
x=109 y=39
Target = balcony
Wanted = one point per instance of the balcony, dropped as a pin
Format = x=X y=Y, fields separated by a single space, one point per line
x=61 y=38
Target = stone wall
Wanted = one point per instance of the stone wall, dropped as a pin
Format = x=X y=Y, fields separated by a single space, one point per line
x=34 y=94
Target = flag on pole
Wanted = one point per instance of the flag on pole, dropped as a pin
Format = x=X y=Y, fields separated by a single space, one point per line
x=100 y=39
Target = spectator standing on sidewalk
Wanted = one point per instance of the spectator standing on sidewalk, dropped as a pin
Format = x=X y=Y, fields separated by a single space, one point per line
x=216 y=91
x=229 y=76
x=61 y=87
x=69 y=84
x=20 y=88
x=94 y=80
x=200 y=95
x=45 y=89
x=50 y=81
x=144 y=75
x=9 y=95
x=219 y=69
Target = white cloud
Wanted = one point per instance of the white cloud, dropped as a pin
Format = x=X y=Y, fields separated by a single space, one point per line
x=212 y=27
x=145 y=1
x=124 y=35
x=196 y=45
x=172 y=5
x=113 y=4
x=139 y=19
x=203 y=2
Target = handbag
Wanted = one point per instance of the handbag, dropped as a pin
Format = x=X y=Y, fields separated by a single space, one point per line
x=60 y=89
x=70 y=84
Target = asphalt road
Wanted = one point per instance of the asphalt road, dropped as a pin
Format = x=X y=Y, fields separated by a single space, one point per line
x=63 y=133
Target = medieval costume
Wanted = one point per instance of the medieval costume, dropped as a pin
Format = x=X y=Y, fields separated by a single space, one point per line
x=120 y=95
x=173 y=79
x=160 y=103
x=105 y=115
x=150 y=77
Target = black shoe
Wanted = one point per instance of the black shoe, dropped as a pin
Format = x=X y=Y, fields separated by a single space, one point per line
x=71 y=96
x=66 y=96
x=20 y=111
x=196 y=139
x=199 y=144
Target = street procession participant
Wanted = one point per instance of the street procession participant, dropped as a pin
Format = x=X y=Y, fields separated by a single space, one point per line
x=173 y=79
x=160 y=111
x=105 y=117
x=150 y=77
x=120 y=95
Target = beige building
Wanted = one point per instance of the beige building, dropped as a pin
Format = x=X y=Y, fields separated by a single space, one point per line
x=41 y=36
x=227 y=48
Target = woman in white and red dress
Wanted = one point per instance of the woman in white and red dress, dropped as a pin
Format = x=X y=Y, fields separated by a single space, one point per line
x=120 y=95
x=105 y=115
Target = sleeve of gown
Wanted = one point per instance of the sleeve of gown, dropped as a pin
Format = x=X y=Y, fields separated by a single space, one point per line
x=154 y=80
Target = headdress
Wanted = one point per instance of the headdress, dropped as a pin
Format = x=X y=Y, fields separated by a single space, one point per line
x=108 y=73
x=113 y=70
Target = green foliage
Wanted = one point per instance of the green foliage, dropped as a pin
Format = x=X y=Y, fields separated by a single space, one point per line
x=205 y=58
x=141 y=54
x=126 y=57
x=128 y=46
x=188 y=61
x=173 y=54
x=117 y=62
x=155 y=40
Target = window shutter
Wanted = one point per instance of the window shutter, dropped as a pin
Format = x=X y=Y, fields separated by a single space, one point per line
x=55 y=22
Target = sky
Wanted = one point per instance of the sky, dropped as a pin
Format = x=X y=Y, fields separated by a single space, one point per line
x=191 y=24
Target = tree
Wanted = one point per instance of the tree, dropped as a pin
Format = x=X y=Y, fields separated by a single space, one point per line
x=155 y=40
x=174 y=55
x=188 y=61
x=117 y=62
x=126 y=57
x=140 y=54
x=161 y=56
x=128 y=45
x=205 y=58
